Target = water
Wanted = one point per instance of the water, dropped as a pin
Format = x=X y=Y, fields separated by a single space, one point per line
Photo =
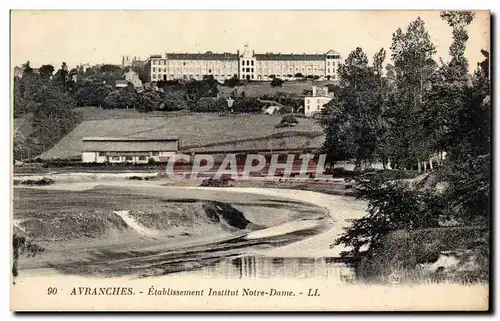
x=255 y=267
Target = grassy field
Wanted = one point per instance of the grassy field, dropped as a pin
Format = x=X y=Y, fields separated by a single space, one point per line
x=196 y=131
x=258 y=89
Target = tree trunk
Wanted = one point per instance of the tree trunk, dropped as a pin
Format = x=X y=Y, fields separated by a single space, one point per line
x=419 y=166
x=431 y=167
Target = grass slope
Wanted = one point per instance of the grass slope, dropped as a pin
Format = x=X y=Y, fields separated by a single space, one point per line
x=258 y=89
x=197 y=131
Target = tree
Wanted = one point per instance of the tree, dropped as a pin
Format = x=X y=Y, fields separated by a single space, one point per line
x=110 y=69
x=61 y=77
x=149 y=101
x=288 y=121
x=46 y=71
x=232 y=82
x=174 y=101
x=355 y=112
x=92 y=95
x=414 y=67
x=121 y=98
x=27 y=68
x=276 y=82
x=459 y=21
x=208 y=105
x=247 y=105
x=299 y=75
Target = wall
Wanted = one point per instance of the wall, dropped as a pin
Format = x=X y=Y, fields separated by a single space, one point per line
x=314 y=105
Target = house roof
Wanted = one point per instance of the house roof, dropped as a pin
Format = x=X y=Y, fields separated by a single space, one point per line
x=128 y=144
x=202 y=56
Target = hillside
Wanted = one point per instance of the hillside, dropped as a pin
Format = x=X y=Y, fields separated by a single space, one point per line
x=197 y=132
x=258 y=89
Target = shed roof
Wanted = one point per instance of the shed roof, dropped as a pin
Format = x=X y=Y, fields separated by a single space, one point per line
x=124 y=144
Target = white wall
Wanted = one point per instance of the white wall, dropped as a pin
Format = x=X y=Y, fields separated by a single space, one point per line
x=89 y=157
x=314 y=105
x=94 y=157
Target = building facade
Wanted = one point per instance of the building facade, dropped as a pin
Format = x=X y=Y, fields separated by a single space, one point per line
x=314 y=104
x=128 y=150
x=246 y=65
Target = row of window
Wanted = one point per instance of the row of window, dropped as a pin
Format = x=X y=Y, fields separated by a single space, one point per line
x=102 y=154
x=191 y=76
x=197 y=76
x=248 y=62
x=184 y=69
x=243 y=62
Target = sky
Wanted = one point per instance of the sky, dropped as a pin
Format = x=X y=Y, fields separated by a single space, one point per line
x=76 y=37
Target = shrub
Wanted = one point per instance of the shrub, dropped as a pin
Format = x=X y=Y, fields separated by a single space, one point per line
x=209 y=105
x=288 y=121
x=247 y=105
x=276 y=82
x=232 y=82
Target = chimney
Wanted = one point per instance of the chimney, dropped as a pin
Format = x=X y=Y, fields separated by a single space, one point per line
x=314 y=91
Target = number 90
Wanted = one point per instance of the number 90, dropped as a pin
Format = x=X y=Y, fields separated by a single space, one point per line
x=52 y=291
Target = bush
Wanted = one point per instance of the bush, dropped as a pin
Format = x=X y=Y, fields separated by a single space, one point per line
x=232 y=82
x=286 y=110
x=209 y=105
x=276 y=82
x=407 y=249
x=174 y=101
x=288 y=121
x=211 y=182
x=247 y=105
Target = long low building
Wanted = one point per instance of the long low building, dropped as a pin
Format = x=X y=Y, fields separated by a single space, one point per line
x=128 y=150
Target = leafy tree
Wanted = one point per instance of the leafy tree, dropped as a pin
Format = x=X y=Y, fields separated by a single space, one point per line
x=247 y=105
x=27 y=68
x=174 y=101
x=92 y=95
x=288 y=121
x=276 y=82
x=121 y=98
x=232 y=82
x=299 y=75
x=150 y=100
x=412 y=53
x=355 y=111
x=46 y=71
x=208 y=105
x=61 y=77
x=110 y=69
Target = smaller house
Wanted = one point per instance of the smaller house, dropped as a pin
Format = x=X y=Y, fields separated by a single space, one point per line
x=272 y=110
x=314 y=104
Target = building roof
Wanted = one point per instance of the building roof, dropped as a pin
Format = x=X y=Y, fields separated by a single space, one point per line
x=127 y=144
x=202 y=56
x=279 y=56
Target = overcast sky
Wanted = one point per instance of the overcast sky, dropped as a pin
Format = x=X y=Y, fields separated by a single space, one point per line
x=50 y=37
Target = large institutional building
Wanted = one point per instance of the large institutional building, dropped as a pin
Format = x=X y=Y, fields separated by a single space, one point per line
x=246 y=65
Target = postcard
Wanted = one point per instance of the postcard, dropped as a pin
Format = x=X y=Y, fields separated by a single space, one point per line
x=250 y=160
